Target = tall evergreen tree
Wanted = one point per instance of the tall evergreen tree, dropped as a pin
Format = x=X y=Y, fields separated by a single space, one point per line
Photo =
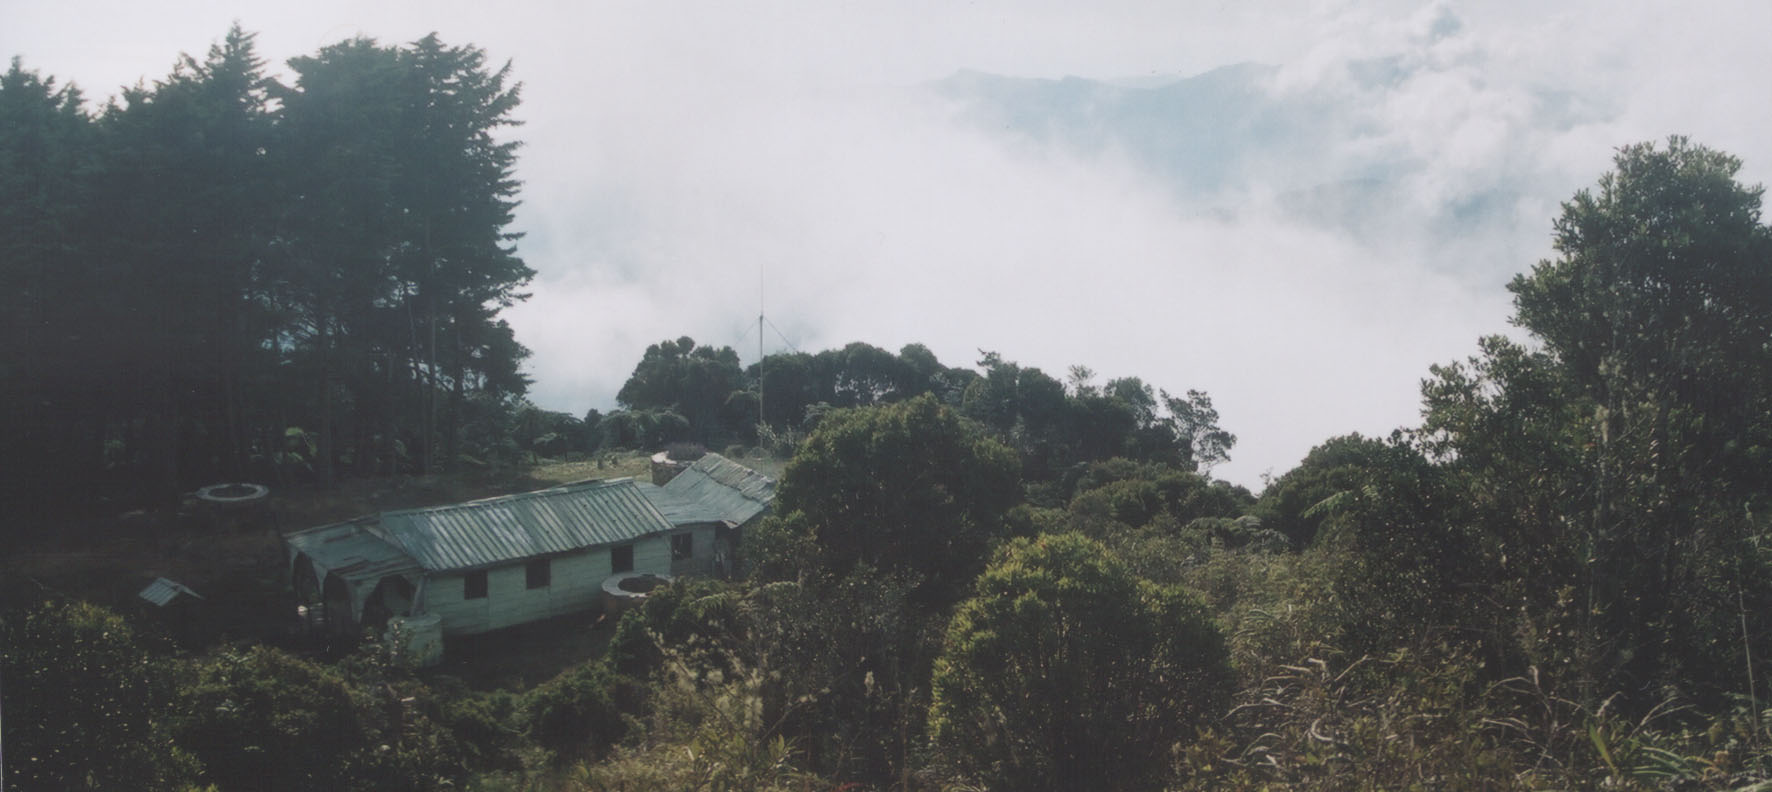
x=46 y=162
x=398 y=237
x=220 y=262
x=189 y=197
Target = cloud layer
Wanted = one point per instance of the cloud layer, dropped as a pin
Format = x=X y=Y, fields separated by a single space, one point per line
x=684 y=164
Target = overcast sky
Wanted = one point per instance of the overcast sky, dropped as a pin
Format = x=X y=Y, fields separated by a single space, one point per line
x=684 y=161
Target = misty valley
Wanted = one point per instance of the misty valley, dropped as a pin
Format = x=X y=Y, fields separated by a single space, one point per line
x=287 y=511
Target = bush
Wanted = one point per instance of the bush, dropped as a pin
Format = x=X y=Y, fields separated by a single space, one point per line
x=260 y=713
x=705 y=732
x=483 y=724
x=578 y=714
x=906 y=489
x=1064 y=670
x=688 y=610
x=847 y=659
x=83 y=704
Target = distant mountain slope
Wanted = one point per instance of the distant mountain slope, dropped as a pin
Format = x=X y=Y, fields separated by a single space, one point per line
x=1331 y=153
x=1197 y=133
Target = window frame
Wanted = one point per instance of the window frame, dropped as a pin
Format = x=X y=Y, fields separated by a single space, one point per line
x=687 y=550
x=538 y=573
x=617 y=551
x=474 y=585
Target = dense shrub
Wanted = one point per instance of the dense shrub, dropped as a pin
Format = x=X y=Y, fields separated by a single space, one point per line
x=578 y=713
x=484 y=724
x=83 y=703
x=1064 y=670
x=848 y=662
x=260 y=713
x=907 y=489
x=689 y=610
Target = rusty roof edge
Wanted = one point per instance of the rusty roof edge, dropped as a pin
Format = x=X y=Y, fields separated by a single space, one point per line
x=361 y=522
x=446 y=557
x=747 y=481
x=511 y=496
x=390 y=527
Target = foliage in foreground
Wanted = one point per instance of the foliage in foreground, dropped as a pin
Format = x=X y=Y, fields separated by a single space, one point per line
x=84 y=704
x=906 y=489
x=705 y=730
x=364 y=723
x=1064 y=669
x=578 y=713
x=1557 y=582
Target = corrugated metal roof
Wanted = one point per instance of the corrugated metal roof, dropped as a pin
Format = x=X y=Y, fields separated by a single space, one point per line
x=352 y=551
x=679 y=508
x=162 y=592
x=510 y=527
x=725 y=489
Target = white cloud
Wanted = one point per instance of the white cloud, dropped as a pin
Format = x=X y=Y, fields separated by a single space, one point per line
x=882 y=221
x=679 y=155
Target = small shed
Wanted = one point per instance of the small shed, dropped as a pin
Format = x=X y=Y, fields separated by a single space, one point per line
x=165 y=593
x=173 y=604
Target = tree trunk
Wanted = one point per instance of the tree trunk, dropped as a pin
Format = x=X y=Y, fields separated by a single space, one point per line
x=323 y=448
x=457 y=374
x=164 y=422
x=431 y=386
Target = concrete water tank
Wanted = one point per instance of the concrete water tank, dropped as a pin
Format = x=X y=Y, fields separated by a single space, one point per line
x=420 y=637
x=627 y=589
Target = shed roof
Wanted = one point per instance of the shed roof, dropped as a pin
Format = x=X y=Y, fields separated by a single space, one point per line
x=510 y=527
x=679 y=508
x=719 y=488
x=351 y=550
x=162 y=592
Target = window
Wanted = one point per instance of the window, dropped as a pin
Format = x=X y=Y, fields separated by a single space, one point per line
x=621 y=559
x=682 y=547
x=537 y=574
x=473 y=585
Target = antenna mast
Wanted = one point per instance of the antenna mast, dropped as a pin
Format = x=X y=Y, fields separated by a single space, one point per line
x=759 y=368
x=760 y=421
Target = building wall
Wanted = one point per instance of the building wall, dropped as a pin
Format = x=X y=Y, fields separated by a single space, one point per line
x=702 y=545
x=575 y=585
x=652 y=554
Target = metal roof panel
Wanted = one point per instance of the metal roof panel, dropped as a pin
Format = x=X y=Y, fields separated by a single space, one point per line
x=351 y=550
x=511 y=527
x=162 y=592
x=724 y=488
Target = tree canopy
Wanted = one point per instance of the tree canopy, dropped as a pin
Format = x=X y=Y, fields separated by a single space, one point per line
x=219 y=259
x=694 y=381
x=1620 y=466
x=901 y=488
